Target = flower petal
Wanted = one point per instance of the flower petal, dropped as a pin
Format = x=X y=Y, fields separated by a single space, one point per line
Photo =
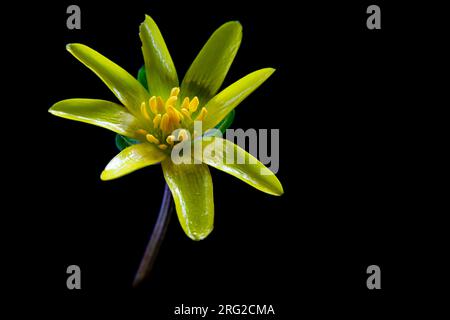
x=131 y=159
x=226 y=100
x=250 y=171
x=192 y=190
x=100 y=113
x=161 y=72
x=126 y=88
x=207 y=72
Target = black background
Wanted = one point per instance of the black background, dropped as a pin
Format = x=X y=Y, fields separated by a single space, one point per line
x=346 y=100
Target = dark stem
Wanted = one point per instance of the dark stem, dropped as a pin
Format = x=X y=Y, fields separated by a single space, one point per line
x=156 y=238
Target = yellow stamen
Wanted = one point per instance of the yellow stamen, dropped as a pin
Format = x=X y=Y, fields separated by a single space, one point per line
x=173 y=115
x=193 y=105
x=164 y=125
x=180 y=115
x=153 y=105
x=185 y=103
x=175 y=91
x=171 y=101
x=163 y=146
x=144 y=111
x=186 y=113
x=151 y=138
x=141 y=131
x=156 y=121
x=202 y=114
x=170 y=139
x=167 y=116
x=160 y=104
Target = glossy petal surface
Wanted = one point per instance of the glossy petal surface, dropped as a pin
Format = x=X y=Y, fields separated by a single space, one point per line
x=250 y=170
x=100 y=113
x=131 y=159
x=126 y=88
x=192 y=190
x=207 y=72
x=226 y=100
x=161 y=72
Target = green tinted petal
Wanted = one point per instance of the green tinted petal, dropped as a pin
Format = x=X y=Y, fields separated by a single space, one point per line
x=226 y=100
x=126 y=88
x=207 y=72
x=100 y=113
x=250 y=170
x=192 y=190
x=226 y=122
x=131 y=159
x=161 y=72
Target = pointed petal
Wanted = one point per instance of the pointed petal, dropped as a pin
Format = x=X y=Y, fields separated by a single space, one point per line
x=161 y=72
x=207 y=72
x=226 y=100
x=126 y=88
x=250 y=171
x=192 y=190
x=131 y=159
x=100 y=113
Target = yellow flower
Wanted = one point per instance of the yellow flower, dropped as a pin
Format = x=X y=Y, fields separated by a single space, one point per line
x=163 y=116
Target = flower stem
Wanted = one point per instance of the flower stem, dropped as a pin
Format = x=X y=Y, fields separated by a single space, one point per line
x=156 y=238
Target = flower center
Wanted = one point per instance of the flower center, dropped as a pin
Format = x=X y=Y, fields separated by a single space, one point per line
x=168 y=116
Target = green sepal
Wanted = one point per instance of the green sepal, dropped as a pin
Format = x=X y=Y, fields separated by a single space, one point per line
x=142 y=77
x=123 y=142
